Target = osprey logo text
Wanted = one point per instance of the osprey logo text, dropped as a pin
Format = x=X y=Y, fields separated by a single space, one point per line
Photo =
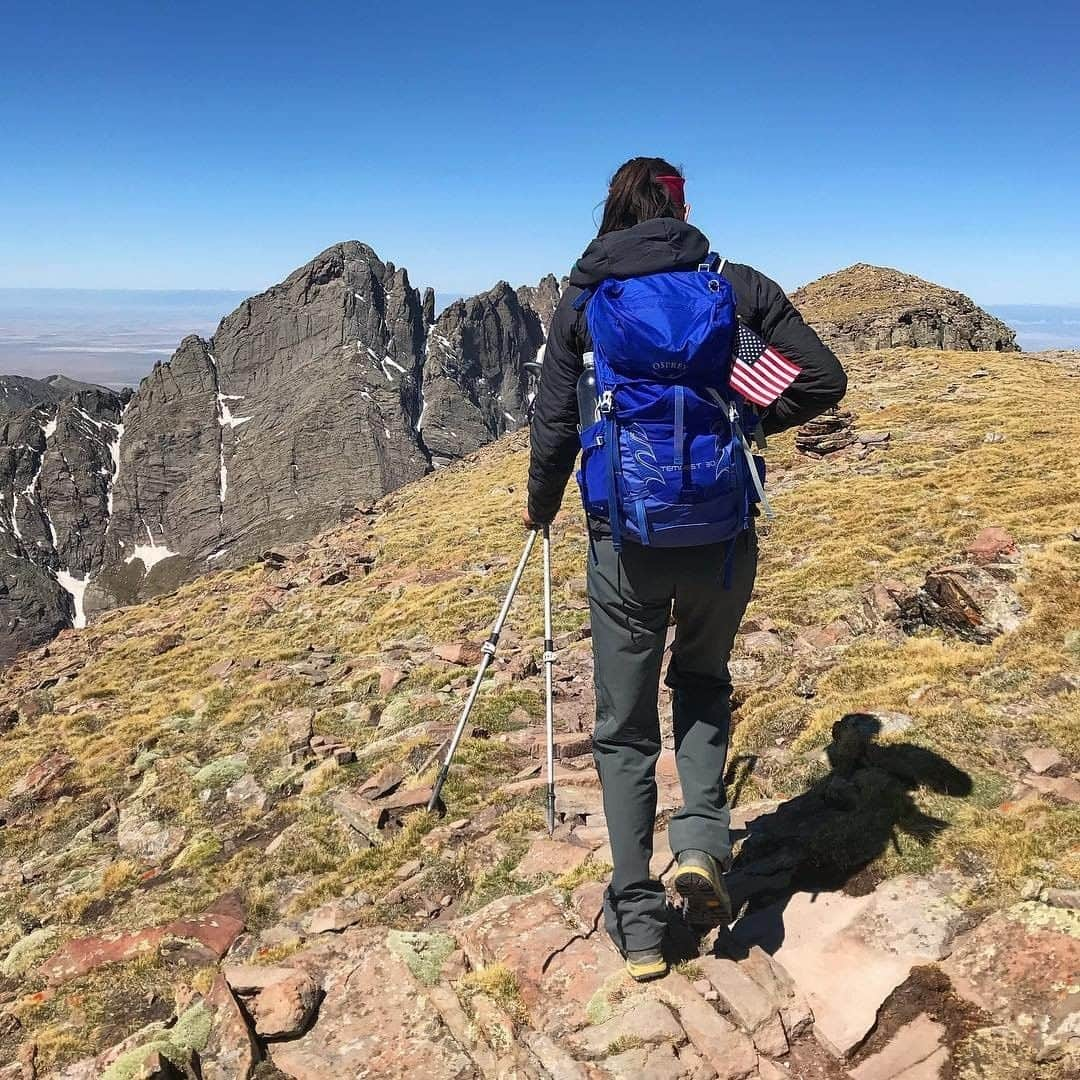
x=670 y=369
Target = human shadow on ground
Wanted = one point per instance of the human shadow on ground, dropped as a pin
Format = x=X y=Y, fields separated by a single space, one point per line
x=826 y=838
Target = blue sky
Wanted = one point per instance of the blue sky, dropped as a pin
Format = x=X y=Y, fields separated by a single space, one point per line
x=198 y=145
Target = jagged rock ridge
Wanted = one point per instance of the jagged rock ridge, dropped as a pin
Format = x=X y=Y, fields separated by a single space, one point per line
x=874 y=307
x=317 y=396
x=58 y=446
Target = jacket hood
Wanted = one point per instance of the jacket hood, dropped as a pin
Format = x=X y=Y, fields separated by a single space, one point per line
x=648 y=248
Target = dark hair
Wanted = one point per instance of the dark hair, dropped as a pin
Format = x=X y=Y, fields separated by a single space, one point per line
x=635 y=196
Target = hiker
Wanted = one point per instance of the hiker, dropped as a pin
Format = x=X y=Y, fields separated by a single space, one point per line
x=696 y=351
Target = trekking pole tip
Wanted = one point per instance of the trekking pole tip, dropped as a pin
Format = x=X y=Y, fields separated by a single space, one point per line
x=435 y=804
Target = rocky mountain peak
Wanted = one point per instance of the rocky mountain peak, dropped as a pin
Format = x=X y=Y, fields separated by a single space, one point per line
x=312 y=398
x=876 y=307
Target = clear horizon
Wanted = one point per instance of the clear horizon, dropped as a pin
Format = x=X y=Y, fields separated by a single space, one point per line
x=197 y=148
x=114 y=337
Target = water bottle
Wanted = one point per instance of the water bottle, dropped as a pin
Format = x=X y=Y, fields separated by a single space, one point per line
x=586 y=394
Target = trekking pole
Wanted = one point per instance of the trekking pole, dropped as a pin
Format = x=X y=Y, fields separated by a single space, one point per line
x=549 y=662
x=487 y=655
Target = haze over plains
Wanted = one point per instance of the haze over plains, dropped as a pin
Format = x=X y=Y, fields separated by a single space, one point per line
x=115 y=336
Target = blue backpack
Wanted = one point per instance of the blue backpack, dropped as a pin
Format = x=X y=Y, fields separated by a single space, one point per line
x=666 y=462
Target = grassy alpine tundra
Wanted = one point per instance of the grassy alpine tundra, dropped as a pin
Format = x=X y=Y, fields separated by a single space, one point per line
x=214 y=857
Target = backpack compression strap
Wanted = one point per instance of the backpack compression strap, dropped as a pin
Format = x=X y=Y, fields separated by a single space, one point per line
x=714 y=264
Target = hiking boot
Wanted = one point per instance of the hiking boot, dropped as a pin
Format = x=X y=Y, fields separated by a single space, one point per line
x=646 y=964
x=698 y=880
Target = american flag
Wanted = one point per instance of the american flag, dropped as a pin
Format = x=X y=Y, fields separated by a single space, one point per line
x=759 y=372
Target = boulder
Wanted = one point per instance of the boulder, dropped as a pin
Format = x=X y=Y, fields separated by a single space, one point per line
x=966 y=600
x=231 y=1052
x=144 y=837
x=284 y=1008
x=463 y=653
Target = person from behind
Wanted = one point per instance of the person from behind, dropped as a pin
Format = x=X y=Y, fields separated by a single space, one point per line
x=663 y=362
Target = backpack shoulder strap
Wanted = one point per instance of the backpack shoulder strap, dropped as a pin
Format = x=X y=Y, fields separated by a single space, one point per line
x=580 y=302
x=713 y=264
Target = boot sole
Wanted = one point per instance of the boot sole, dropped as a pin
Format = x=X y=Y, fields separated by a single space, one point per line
x=647 y=972
x=705 y=902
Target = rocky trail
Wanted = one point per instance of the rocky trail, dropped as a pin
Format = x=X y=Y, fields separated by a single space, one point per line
x=215 y=859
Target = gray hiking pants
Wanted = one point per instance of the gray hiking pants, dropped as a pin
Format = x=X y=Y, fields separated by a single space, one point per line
x=630 y=599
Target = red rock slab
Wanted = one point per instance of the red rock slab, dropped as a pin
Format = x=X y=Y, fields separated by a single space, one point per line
x=1044 y=760
x=568 y=744
x=406 y=799
x=571 y=979
x=390 y=678
x=81 y=955
x=913 y=1053
x=558 y=966
x=521 y=932
x=846 y=954
x=565 y=777
x=720 y=1042
x=203 y=937
x=401 y=802
x=587 y=902
x=1060 y=787
x=43 y=780
x=462 y=653
x=991 y=544
x=551 y=857
x=374 y=1020
x=386 y=780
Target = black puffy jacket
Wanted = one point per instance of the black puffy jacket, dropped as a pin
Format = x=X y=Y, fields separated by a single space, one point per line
x=648 y=248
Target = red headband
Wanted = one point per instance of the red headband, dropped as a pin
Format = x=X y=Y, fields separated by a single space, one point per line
x=674 y=185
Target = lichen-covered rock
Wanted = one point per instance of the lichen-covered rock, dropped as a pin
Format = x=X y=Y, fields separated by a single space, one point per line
x=28 y=951
x=141 y=835
x=1022 y=965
